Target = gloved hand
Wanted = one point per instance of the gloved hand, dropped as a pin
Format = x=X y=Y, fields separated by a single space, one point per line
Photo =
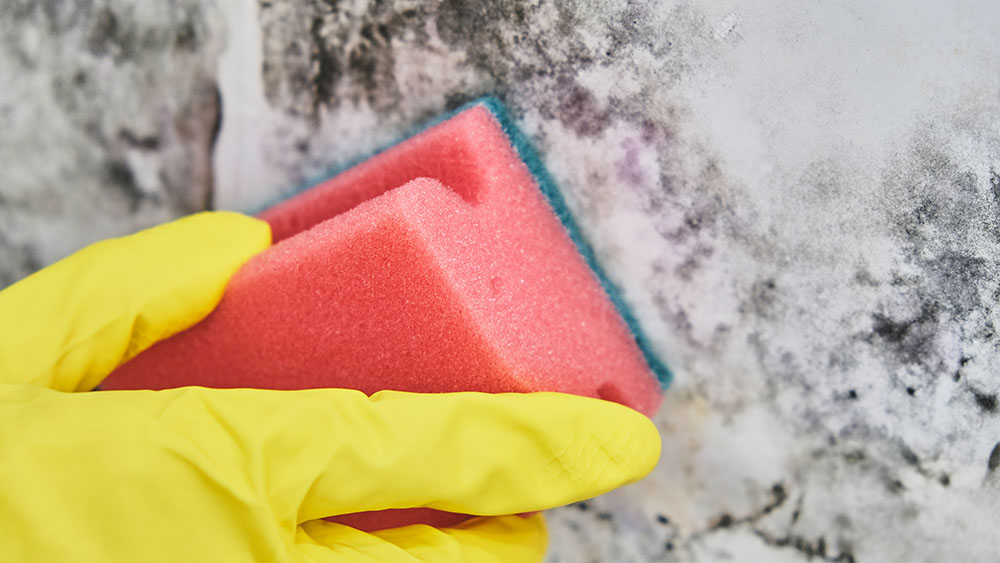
x=197 y=474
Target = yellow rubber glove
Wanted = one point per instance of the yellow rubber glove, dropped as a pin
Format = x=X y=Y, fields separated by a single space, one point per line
x=197 y=474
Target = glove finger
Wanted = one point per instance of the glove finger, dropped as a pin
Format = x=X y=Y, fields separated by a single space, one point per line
x=292 y=456
x=506 y=539
x=330 y=452
x=68 y=325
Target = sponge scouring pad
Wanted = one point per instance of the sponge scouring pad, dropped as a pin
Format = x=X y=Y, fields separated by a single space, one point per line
x=435 y=266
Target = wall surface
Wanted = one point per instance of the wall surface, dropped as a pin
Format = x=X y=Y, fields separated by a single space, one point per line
x=800 y=200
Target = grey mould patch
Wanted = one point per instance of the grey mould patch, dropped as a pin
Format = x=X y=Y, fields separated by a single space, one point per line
x=543 y=48
x=114 y=110
x=505 y=41
x=329 y=52
x=318 y=54
x=944 y=227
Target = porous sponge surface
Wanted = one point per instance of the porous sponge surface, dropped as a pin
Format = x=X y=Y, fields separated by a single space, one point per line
x=461 y=281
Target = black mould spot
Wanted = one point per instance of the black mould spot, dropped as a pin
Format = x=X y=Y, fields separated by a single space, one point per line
x=579 y=110
x=889 y=329
x=908 y=455
x=662 y=519
x=103 y=33
x=368 y=32
x=669 y=546
x=945 y=480
x=994 y=460
x=762 y=298
x=911 y=391
x=854 y=456
x=864 y=277
x=148 y=142
x=895 y=486
x=605 y=516
x=186 y=37
x=121 y=178
x=779 y=497
x=852 y=394
x=804 y=546
x=345 y=54
x=957 y=376
x=455 y=100
x=778 y=490
x=986 y=401
x=371 y=66
x=459 y=20
x=217 y=124
x=725 y=521
x=900 y=332
x=692 y=262
x=326 y=64
x=583 y=506
x=995 y=185
x=928 y=211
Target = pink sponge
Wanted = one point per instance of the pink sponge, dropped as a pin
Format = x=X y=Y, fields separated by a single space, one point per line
x=435 y=266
